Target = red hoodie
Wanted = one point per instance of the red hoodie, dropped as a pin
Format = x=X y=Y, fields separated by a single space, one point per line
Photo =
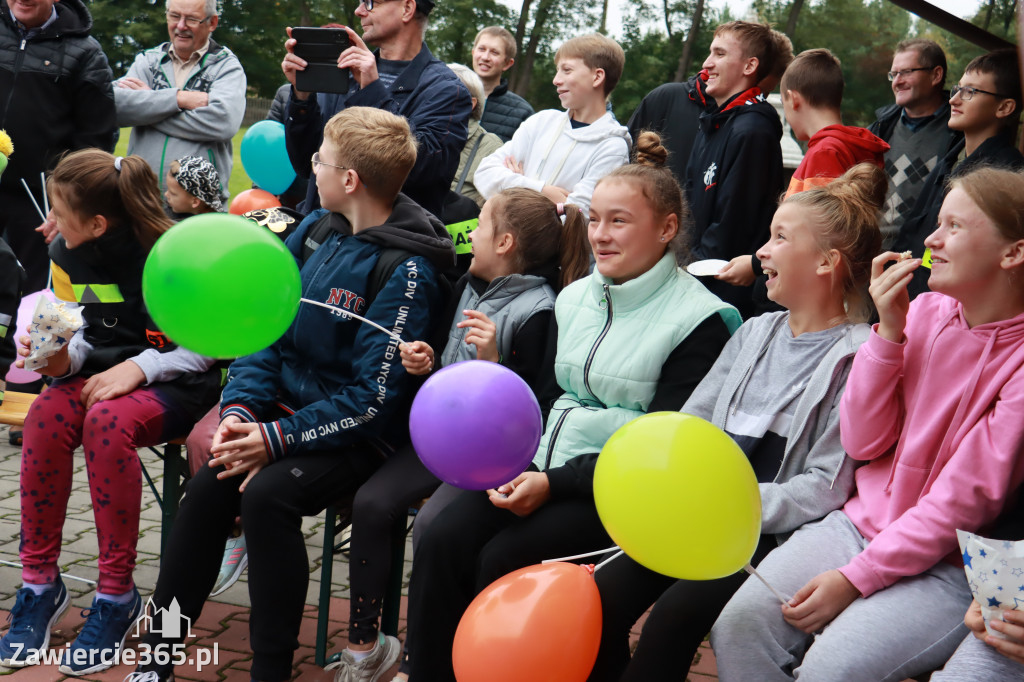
x=831 y=151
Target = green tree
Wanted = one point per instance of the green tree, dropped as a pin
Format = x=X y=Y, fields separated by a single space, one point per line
x=454 y=24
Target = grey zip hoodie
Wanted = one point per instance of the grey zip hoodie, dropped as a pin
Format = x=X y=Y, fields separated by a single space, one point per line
x=816 y=476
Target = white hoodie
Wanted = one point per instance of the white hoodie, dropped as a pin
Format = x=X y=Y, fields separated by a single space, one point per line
x=552 y=152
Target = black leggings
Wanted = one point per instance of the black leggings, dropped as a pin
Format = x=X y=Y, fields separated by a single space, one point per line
x=683 y=613
x=470 y=544
x=271 y=508
x=400 y=482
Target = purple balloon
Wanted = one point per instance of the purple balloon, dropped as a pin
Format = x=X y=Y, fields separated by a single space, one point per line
x=475 y=424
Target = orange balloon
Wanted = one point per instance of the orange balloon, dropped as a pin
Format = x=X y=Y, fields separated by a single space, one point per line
x=541 y=623
x=252 y=199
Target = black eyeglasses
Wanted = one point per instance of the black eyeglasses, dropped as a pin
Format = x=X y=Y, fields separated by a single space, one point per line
x=370 y=4
x=192 y=22
x=317 y=163
x=893 y=75
x=966 y=92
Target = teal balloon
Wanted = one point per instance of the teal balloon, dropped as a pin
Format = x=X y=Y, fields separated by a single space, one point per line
x=265 y=157
x=221 y=285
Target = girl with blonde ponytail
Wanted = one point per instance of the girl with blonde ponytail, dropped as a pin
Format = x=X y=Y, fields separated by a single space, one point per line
x=119 y=384
x=775 y=390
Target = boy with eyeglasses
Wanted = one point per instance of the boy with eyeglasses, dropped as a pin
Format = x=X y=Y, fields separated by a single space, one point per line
x=914 y=127
x=985 y=108
x=309 y=419
x=185 y=97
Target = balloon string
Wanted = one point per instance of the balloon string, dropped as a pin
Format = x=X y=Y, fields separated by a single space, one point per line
x=33 y=198
x=63 y=575
x=613 y=557
x=752 y=571
x=347 y=313
x=582 y=556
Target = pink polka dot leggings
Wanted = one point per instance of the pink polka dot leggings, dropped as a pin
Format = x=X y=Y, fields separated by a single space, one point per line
x=109 y=432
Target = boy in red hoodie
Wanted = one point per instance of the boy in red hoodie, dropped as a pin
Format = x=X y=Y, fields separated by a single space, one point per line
x=812 y=96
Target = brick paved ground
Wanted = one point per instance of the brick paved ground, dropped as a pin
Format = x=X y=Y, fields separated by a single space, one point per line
x=224 y=622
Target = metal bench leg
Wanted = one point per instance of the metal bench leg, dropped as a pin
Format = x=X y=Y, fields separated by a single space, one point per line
x=173 y=473
x=326 y=576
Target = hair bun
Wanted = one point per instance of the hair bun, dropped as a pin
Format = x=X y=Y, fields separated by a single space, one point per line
x=649 y=150
x=864 y=182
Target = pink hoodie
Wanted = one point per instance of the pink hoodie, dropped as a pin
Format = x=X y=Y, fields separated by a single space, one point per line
x=940 y=420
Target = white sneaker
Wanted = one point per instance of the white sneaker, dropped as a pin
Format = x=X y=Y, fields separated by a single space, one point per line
x=235 y=560
x=374 y=667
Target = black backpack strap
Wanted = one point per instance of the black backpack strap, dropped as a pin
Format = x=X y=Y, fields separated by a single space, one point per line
x=315 y=236
x=387 y=263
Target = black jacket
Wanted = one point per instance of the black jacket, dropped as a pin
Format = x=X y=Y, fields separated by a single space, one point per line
x=118 y=325
x=55 y=93
x=889 y=116
x=12 y=279
x=673 y=111
x=504 y=111
x=996 y=151
x=733 y=183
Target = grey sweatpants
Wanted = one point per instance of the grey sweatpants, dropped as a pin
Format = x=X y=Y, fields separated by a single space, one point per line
x=908 y=628
x=975 y=661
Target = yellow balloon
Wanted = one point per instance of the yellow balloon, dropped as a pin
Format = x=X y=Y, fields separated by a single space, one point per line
x=678 y=495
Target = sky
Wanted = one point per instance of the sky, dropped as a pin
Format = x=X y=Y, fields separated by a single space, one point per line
x=960 y=8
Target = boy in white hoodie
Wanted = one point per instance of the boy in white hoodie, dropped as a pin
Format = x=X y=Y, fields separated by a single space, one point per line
x=562 y=154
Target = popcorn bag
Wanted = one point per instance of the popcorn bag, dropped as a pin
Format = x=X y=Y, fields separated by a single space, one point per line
x=995 y=574
x=52 y=326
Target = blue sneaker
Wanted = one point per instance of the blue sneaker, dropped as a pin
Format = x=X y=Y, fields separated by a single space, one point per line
x=107 y=625
x=32 y=618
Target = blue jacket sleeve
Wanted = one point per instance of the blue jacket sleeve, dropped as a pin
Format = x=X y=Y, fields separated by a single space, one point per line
x=438 y=120
x=363 y=408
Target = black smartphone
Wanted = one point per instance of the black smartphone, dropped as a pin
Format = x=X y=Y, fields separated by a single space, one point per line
x=320 y=48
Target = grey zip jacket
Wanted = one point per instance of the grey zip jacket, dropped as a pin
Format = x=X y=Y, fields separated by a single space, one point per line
x=162 y=132
x=816 y=476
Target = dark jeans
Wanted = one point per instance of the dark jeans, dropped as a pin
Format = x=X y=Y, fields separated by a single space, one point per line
x=683 y=613
x=470 y=544
x=271 y=508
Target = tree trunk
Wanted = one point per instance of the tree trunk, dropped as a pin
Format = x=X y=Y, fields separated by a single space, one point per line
x=307 y=16
x=525 y=71
x=691 y=38
x=988 y=14
x=794 y=13
x=603 y=30
x=522 y=68
x=668 y=21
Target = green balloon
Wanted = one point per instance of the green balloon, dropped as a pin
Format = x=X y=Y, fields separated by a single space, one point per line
x=221 y=285
x=3 y=164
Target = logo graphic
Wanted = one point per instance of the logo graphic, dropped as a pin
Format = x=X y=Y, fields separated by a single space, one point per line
x=709 y=175
x=173 y=625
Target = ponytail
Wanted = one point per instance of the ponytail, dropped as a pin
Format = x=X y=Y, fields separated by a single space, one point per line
x=541 y=239
x=123 y=190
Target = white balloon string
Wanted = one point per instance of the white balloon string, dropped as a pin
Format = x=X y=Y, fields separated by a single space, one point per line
x=613 y=557
x=46 y=199
x=63 y=575
x=33 y=198
x=347 y=313
x=582 y=556
x=752 y=571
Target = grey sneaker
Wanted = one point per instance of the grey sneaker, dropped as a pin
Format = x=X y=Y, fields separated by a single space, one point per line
x=373 y=668
x=236 y=558
x=150 y=676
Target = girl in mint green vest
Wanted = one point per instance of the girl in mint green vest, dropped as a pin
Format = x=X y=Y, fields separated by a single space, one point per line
x=635 y=336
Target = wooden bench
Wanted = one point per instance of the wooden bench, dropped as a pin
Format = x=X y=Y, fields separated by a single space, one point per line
x=14 y=408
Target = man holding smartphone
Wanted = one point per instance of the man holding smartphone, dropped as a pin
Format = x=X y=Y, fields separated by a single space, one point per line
x=400 y=76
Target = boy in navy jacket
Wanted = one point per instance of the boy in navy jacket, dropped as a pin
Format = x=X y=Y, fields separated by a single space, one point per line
x=308 y=419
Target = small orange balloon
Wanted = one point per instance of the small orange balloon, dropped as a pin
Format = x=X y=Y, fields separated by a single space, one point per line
x=252 y=199
x=540 y=623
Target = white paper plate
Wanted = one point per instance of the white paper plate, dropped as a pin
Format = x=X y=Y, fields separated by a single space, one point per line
x=706 y=268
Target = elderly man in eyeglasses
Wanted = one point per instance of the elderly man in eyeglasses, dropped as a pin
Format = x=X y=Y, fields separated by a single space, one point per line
x=914 y=126
x=185 y=97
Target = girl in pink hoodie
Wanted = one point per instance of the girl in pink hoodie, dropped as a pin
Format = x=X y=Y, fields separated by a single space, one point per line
x=934 y=406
